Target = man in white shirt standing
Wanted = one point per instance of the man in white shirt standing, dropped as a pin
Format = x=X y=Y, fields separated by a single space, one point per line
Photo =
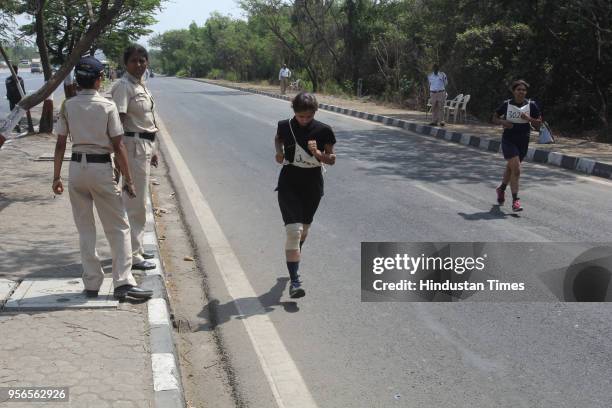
x=283 y=77
x=437 y=92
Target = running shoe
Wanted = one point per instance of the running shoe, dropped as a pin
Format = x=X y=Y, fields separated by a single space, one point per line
x=516 y=205
x=501 y=195
x=296 y=290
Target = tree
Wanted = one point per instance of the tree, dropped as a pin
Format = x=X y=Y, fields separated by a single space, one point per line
x=67 y=20
x=46 y=118
x=8 y=10
x=59 y=24
x=301 y=27
x=106 y=13
x=482 y=46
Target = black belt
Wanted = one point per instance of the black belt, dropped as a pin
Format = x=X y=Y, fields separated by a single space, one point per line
x=437 y=91
x=91 y=158
x=144 y=135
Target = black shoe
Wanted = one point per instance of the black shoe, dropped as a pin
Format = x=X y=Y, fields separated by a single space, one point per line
x=91 y=293
x=132 y=291
x=296 y=290
x=144 y=266
x=148 y=255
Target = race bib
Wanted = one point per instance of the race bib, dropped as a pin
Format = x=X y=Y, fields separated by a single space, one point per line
x=513 y=114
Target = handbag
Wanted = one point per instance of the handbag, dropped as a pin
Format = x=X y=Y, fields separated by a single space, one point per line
x=546 y=136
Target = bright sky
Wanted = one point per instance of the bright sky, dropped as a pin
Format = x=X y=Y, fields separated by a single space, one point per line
x=179 y=14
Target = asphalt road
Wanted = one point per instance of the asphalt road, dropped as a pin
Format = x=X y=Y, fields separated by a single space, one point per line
x=391 y=185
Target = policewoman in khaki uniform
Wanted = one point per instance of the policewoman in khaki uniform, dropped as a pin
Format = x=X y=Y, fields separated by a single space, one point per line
x=136 y=109
x=94 y=125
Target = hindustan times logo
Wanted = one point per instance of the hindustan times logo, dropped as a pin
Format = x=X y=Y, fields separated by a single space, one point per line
x=476 y=271
x=412 y=264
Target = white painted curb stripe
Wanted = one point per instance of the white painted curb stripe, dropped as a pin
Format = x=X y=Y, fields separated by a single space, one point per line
x=530 y=153
x=164 y=372
x=149 y=238
x=555 y=158
x=585 y=165
x=282 y=374
x=163 y=365
x=158 y=312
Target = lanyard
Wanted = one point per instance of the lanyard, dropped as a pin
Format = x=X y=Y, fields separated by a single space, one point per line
x=301 y=157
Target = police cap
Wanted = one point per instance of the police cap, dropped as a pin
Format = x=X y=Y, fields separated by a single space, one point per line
x=89 y=67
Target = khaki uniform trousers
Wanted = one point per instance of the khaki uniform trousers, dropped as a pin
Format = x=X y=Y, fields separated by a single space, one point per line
x=438 y=100
x=139 y=160
x=89 y=184
x=283 y=84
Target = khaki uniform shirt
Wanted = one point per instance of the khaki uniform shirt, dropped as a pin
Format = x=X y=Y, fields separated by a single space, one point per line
x=134 y=99
x=91 y=120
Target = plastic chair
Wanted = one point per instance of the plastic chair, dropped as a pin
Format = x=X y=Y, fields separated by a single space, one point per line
x=460 y=109
x=452 y=106
x=295 y=85
x=428 y=107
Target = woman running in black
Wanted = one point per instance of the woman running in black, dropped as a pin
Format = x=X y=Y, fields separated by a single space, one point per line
x=515 y=115
x=302 y=146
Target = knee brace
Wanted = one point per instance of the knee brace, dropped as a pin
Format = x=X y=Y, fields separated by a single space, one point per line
x=294 y=234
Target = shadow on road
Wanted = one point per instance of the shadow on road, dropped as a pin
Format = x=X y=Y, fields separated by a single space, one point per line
x=218 y=314
x=495 y=213
x=387 y=152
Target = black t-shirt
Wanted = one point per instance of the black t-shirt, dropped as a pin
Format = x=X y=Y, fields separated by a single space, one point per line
x=298 y=178
x=12 y=92
x=315 y=130
x=518 y=129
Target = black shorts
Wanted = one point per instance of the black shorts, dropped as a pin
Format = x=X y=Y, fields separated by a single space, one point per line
x=515 y=146
x=298 y=206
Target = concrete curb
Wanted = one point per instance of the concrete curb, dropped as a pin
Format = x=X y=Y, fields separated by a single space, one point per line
x=580 y=164
x=7 y=287
x=164 y=358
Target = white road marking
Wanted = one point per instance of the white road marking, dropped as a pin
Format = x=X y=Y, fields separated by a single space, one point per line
x=430 y=191
x=282 y=374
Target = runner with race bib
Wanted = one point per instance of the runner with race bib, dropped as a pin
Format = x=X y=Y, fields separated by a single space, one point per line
x=303 y=145
x=516 y=116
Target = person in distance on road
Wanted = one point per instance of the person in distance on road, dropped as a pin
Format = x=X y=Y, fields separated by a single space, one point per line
x=303 y=145
x=12 y=92
x=283 y=76
x=516 y=115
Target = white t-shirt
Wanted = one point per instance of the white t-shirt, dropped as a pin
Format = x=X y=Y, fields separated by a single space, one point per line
x=284 y=73
x=437 y=82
